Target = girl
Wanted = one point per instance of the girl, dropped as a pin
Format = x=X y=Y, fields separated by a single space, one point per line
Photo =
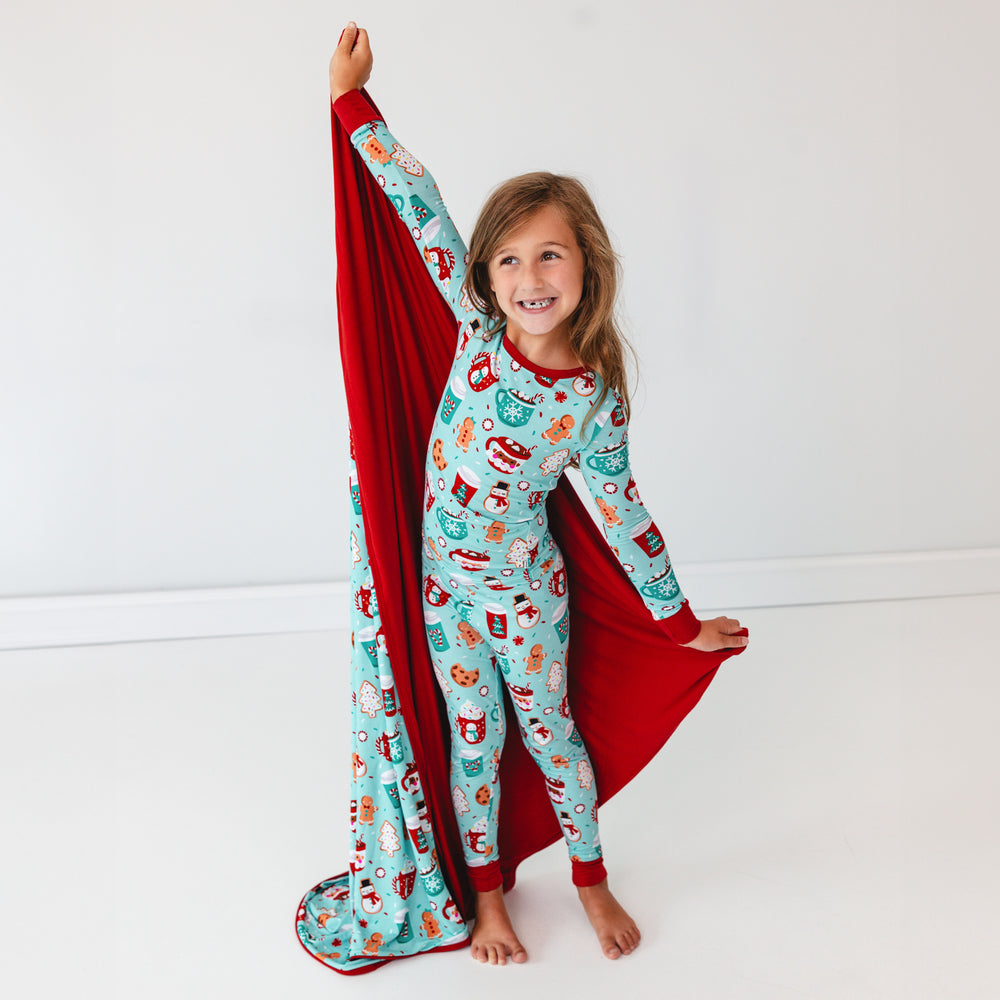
x=537 y=384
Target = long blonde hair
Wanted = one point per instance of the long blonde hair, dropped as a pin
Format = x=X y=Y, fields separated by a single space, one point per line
x=595 y=336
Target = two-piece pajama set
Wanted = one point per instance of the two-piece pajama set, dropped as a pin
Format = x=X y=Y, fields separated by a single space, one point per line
x=496 y=606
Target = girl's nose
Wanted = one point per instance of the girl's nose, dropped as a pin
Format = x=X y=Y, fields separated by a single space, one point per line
x=529 y=277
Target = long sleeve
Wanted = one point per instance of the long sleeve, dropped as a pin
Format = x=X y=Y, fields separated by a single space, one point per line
x=628 y=526
x=411 y=188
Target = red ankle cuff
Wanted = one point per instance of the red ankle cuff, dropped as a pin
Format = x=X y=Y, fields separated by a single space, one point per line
x=589 y=872
x=485 y=877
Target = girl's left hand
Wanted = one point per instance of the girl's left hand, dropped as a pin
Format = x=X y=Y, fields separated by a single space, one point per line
x=718 y=633
x=351 y=64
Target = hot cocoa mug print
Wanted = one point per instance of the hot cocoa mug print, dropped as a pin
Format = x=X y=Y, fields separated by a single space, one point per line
x=662 y=586
x=476 y=837
x=609 y=461
x=514 y=409
x=452 y=526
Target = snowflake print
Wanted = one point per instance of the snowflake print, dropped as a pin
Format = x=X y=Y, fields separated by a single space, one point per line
x=487 y=423
x=610 y=487
x=616 y=462
x=524 y=485
x=363 y=737
x=560 y=396
x=380 y=873
x=518 y=640
x=509 y=409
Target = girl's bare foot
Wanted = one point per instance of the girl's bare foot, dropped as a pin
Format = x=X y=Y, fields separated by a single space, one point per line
x=616 y=930
x=493 y=937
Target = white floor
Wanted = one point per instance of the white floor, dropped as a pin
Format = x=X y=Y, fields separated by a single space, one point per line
x=823 y=825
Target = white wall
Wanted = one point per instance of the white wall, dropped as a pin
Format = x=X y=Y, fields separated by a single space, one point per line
x=804 y=196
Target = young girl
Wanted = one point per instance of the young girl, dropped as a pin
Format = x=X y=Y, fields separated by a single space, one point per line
x=537 y=383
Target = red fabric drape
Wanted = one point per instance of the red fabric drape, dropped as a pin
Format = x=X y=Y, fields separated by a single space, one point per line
x=630 y=685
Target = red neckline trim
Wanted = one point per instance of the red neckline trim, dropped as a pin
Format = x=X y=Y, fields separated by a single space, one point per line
x=531 y=366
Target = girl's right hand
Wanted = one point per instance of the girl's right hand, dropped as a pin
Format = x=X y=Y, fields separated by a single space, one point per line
x=717 y=634
x=351 y=64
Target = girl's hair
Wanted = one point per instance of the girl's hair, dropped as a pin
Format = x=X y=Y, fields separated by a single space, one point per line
x=595 y=336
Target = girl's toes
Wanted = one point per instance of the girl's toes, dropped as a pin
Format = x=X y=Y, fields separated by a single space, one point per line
x=520 y=955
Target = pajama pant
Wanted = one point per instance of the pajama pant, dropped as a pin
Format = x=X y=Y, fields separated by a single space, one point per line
x=480 y=636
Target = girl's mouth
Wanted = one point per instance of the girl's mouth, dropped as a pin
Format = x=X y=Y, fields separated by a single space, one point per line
x=536 y=305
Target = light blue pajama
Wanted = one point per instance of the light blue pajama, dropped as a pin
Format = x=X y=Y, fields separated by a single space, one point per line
x=495 y=590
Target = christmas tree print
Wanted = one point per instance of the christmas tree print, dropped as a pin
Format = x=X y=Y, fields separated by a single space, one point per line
x=517 y=554
x=460 y=802
x=388 y=839
x=369 y=699
x=407 y=161
x=584 y=774
x=554 y=678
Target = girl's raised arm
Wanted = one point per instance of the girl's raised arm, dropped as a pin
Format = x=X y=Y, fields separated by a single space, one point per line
x=406 y=182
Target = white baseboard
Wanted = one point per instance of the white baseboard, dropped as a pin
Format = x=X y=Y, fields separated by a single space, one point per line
x=146 y=616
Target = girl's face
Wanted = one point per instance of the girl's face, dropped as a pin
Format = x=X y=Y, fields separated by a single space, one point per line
x=537 y=275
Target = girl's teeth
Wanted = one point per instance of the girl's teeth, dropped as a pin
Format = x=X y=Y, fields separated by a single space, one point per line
x=537 y=304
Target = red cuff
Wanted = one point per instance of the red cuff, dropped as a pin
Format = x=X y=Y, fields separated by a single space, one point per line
x=681 y=626
x=484 y=878
x=589 y=872
x=354 y=111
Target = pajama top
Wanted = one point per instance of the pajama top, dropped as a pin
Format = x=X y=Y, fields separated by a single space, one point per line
x=505 y=427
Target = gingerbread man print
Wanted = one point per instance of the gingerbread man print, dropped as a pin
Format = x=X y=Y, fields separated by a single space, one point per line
x=465 y=435
x=561 y=427
x=534 y=659
x=469 y=635
x=608 y=512
x=495 y=531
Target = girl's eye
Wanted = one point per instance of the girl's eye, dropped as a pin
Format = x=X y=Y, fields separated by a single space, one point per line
x=504 y=261
x=550 y=253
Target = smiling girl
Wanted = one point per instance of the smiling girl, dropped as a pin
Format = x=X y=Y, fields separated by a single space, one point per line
x=537 y=384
